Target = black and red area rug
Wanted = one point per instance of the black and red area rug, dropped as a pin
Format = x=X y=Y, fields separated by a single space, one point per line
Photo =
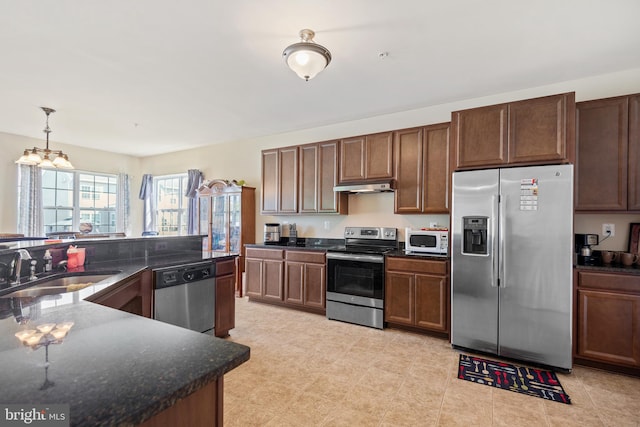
x=533 y=382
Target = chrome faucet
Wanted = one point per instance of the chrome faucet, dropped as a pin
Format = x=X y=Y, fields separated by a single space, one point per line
x=16 y=266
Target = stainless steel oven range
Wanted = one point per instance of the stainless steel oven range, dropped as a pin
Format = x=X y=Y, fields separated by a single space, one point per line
x=355 y=275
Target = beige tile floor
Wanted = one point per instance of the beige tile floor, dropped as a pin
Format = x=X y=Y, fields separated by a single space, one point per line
x=306 y=370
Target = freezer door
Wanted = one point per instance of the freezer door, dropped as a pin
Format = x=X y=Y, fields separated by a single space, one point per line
x=536 y=230
x=474 y=292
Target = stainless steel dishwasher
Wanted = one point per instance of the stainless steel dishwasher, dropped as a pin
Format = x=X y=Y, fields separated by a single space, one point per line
x=185 y=296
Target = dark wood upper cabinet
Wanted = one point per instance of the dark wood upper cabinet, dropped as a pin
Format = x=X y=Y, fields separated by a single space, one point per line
x=269 y=194
x=368 y=157
x=633 y=189
x=608 y=154
x=352 y=152
x=481 y=136
x=300 y=179
x=528 y=132
x=539 y=128
x=309 y=178
x=288 y=172
x=318 y=176
x=422 y=169
x=280 y=181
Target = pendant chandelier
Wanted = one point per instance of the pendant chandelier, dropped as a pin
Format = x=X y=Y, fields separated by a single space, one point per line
x=307 y=58
x=32 y=156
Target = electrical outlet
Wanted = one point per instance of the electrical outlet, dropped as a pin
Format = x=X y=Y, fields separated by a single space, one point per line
x=608 y=230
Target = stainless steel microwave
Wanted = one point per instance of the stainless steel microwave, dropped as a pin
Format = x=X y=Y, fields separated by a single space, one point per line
x=424 y=240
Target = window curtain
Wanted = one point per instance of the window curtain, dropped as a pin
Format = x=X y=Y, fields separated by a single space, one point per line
x=194 y=179
x=30 y=221
x=146 y=194
x=123 y=209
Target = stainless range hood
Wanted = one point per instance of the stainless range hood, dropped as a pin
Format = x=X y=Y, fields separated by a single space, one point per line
x=378 y=187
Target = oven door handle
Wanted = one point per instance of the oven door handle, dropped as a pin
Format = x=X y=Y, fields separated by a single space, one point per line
x=356 y=257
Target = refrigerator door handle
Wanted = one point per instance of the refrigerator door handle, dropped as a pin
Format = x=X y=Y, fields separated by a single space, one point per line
x=501 y=239
x=495 y=278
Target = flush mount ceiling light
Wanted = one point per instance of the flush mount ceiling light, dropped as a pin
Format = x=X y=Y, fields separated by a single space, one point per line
x=307 y=58
x=32 y=156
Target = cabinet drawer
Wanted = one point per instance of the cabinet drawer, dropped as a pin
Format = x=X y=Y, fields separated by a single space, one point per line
x=609 y=281
x=305 y=256
x=225 y=267
x=265 y=253
x=417 y=266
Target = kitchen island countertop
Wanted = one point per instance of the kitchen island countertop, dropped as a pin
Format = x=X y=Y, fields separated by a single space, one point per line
x=112 y=367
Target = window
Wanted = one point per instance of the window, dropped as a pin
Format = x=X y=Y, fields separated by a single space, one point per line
x=73 y=197
x=171 y=204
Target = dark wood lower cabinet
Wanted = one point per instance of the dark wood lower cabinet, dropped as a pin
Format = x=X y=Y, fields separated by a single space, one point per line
x=608 y=321
x=225 y=310
x=203 y=407
x=305 y=278
x=134 y=295
x=417 y=294
x=264 y=274
x=294 y=278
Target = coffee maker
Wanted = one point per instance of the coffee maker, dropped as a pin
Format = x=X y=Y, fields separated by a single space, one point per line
x=272 y=233
x=584 y=253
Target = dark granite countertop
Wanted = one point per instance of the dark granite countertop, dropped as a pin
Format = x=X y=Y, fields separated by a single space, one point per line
x=113 y=367
x=303 y=243
x=611 y=268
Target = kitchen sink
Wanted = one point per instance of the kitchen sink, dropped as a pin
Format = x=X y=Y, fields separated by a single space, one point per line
x=59 y=285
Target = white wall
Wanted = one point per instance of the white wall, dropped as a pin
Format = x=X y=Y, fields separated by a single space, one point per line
x=82 y=158
x=241 y=160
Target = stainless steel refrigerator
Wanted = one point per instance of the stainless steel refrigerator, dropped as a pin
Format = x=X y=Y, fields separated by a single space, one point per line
x=512 y=263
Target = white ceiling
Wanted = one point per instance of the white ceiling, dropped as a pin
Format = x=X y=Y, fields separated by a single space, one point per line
x=153 y=76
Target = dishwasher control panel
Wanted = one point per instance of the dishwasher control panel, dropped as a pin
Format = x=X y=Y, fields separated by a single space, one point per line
x=173 y=276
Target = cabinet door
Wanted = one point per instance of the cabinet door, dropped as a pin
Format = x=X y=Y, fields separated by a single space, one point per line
x=253 y=277
x=633 y=188
x=399 y=298
x=609 y=327
x=272 y=280
x=352 y=153
x=314 y=285
x=409 y=170
x=203 y=214
x=269 y=197
x=435 y=185
x=432 y=301
x=328 y=200
x=220 y=223
x=293 y=282
x=288 y=180
x=225 y=313
x=538 y=128
x=234 y=222
x=601 y=172
x=379 y=156
x=133 y=295
x=480 y=136
x=309 y=178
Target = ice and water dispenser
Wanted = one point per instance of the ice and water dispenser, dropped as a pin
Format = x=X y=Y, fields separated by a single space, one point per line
x=474 y=238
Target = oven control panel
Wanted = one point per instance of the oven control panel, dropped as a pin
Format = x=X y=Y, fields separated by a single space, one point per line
x=377 y=233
